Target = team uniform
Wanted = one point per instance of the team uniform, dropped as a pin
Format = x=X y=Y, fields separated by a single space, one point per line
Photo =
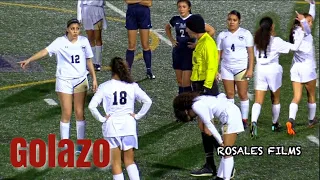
x=209 y=107
x=118 y=99
x=138 y=17
x=268 y=71
x=72 y=58
x=91 y=14
x=181 y=54
x=229 y=115
x=234 y=60
x=205 y=66
x=303 y=67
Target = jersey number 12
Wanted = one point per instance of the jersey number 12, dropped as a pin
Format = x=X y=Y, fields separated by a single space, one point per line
x=122 y=100
x=75 y=59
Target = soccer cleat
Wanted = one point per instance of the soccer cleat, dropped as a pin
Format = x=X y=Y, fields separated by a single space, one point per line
x=204 y=171
x=290 y=127
x=245 y=123
x=275 y=127
x=97 y=67
x=312 y=123
x=78 y=151
x=254 y=130
x=150 y=75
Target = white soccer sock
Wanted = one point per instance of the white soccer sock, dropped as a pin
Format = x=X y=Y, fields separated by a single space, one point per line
x=94 y=55
x=231 y=100
x=244 y=109
x=275 y=113
x=312 y=110
x=220 y=169
x=64 y=130
x=293 y=108
x=81 y=129
x=228 y=166
x=98 y=55
x=133 y=172
x=255 y=112
x=118 y=177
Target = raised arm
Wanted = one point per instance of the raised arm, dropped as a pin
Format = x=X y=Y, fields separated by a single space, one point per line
x=312 y=9
x=79 y=17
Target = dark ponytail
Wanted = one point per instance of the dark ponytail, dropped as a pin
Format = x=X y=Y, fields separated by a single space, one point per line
x=119 y=67
x=263 y=34
x=188 y=3
x=295 y=24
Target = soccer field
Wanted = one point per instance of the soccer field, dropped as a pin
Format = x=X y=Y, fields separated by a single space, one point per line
x=167 y=149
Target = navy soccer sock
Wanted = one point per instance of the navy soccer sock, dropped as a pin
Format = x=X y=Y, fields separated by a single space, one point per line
x=130 y=57
x=147 y=60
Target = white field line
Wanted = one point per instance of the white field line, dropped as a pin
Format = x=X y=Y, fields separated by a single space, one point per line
x=51 y=102
x=123 y=14
x=313 y=139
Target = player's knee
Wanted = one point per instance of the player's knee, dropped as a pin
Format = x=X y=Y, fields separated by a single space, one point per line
x=79 y=114
x=230 y=94
x=132 y=46
x=243 y=96
x=98 y=42
x=128 y=162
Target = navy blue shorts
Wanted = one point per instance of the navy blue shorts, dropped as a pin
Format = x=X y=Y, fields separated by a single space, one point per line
x=197 y=86
x=182 y=58
x=138 y=17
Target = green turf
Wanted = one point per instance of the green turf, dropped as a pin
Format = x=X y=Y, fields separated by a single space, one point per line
x=167 y=150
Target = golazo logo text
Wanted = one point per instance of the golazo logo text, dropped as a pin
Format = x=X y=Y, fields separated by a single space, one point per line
x=39 y=154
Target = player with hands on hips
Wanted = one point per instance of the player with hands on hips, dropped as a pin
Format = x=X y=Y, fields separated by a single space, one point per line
x=206 y=108
x=118 y=97
x=73 y=54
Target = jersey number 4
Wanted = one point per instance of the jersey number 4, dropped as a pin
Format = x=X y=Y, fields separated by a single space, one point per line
x=233 y=48
x=75 y=59
x=122 y=100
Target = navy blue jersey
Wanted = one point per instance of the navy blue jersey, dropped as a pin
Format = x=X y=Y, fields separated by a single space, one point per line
x=182 y=36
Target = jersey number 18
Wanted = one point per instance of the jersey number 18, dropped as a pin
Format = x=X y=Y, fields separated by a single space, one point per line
x=122 y=100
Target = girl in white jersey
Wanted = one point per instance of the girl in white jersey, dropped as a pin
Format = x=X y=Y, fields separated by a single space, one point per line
x=119 y=120
x=303 y=71
x=91 y=14
x=235 y=47
x=268 y=71
x=207 y=108
x=74 y=55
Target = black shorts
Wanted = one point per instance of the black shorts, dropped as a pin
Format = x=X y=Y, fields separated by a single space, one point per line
x=138 y=17
x=197 y=86
x=182 y=58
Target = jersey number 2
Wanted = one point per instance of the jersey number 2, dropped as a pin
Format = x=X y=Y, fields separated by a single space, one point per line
x=123 y=98
x=75 y=59
x=182 y=33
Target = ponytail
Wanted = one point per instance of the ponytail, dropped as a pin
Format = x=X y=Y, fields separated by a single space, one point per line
x=120 y=68
x=263 y=34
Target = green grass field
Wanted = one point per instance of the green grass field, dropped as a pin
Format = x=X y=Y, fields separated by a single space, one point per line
x=167 y=150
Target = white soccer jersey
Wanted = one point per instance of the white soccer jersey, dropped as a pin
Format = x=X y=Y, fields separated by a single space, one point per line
x=306 y=52
x=71 y=57
x=208 y=107
x=118 y=99
x=275 y=47
x=99 y=3
x=234 y=47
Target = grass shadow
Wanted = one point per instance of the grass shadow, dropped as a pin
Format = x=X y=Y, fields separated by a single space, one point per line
x=30 y=174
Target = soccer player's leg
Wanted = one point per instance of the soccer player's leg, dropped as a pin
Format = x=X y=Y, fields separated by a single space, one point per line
x=64 y=91
x=293 y=108
x=312 y=106
x=116 y=164
x=129 y=144
x=242 y=87
x=132 y=29
x=98 y=42
x=80 y=92
x=275 y=99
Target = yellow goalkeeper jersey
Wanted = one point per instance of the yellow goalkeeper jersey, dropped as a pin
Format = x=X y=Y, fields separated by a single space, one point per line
x=205 y=61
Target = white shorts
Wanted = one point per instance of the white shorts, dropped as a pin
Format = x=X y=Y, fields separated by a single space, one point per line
x=302 y=73
x=235 y=74
x=123 y=142
x=234 y=124
x=268 y=77
x=93 y=18
x=72 y=86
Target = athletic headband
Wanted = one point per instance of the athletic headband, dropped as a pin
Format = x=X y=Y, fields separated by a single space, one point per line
x=71 y=21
